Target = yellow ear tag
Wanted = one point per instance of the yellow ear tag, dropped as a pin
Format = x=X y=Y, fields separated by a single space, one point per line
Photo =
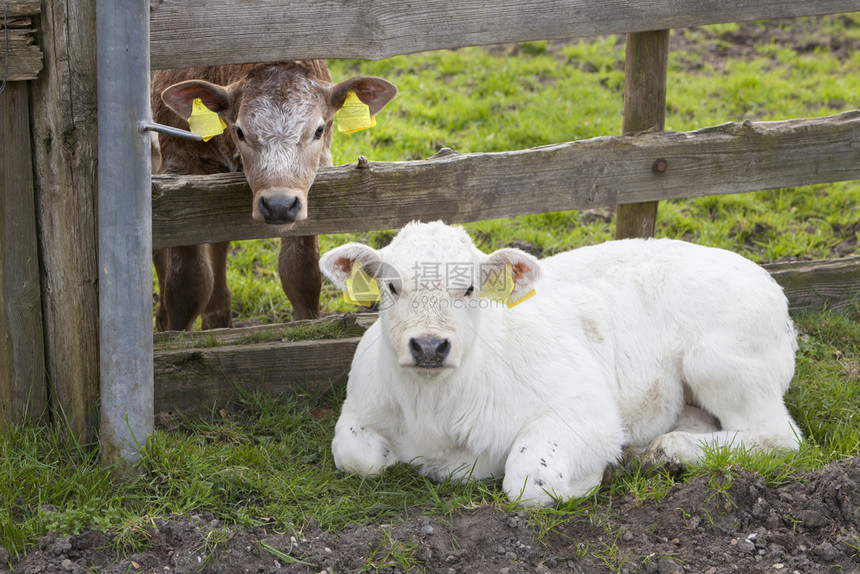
x=499 y=286
x=204 y=121
x=525 y=297
x=361 y=288
x=354 y=115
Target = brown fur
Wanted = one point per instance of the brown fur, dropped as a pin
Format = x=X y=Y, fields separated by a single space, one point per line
x=193 y=279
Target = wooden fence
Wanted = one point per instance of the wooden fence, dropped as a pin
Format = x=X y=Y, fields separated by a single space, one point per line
x=454 y=187
x=48 y=305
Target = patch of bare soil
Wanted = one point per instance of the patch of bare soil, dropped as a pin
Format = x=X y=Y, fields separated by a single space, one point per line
x=706 y=525
x=803 y=35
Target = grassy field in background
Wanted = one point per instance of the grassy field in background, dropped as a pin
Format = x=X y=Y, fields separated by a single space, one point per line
x=517 y=97
x=268 y=462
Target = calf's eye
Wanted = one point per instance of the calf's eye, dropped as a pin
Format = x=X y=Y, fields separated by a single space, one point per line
x=470 y=290
x=240 y=134
x=392 y=288
x=320 y=131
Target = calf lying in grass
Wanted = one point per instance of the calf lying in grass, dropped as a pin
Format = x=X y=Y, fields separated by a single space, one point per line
x=658 y=345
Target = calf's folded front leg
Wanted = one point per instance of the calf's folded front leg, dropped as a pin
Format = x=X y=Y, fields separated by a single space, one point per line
x=554 y=459
x=360 y=450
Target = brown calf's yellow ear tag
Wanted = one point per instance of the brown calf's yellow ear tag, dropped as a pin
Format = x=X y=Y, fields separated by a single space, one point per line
x=354 y=115
x=361 y=288
x=204 y=121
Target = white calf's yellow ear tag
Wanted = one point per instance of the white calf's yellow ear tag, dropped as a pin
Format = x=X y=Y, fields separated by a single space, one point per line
x=529 y=295
x=204 y=121
x=354 y=115
x=499 y=286
x=361 y=288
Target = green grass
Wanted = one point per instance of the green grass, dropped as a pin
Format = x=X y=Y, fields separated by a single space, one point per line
x=268 y=464
x=827 y=401
x=392 y=553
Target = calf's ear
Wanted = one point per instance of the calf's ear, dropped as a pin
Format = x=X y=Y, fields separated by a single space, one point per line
x=374 y=92
x=180 y=97
x=338 y=263
x=524 y=272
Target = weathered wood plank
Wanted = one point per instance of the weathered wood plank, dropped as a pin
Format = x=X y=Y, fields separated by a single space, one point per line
x=731 y=158
x=834 y=283
x=173 y=340
x=25 y=57
x=195 y=382
x=65 y=149
x=20 y=8
x=646 y=66
x=209 y=32
x=23 y=387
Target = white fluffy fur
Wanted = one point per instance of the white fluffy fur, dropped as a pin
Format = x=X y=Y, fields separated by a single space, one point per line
x=624 y=343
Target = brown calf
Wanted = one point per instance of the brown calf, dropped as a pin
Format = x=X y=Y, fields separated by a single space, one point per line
x=279 y=128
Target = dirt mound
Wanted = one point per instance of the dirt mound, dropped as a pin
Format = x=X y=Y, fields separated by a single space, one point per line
x=722 y=523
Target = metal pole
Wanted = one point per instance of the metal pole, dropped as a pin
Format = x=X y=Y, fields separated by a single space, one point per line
x=125 y=231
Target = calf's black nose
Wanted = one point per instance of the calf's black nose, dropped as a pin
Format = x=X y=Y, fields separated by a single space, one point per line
x=278 y=209
x=429 y=352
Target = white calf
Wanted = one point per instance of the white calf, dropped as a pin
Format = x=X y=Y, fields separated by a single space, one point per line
x=624 y=344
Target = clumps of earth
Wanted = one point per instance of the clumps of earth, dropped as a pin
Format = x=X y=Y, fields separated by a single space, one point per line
x=709 y=525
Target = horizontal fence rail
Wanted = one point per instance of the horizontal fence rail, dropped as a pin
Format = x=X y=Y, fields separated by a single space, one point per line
x=832 y=283
x=216 y=32
x=458 y=188
x=194 y=382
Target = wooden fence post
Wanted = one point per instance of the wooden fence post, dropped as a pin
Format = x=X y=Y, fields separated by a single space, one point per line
x=645 y=69
x=65 y=145
x=23 y=390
